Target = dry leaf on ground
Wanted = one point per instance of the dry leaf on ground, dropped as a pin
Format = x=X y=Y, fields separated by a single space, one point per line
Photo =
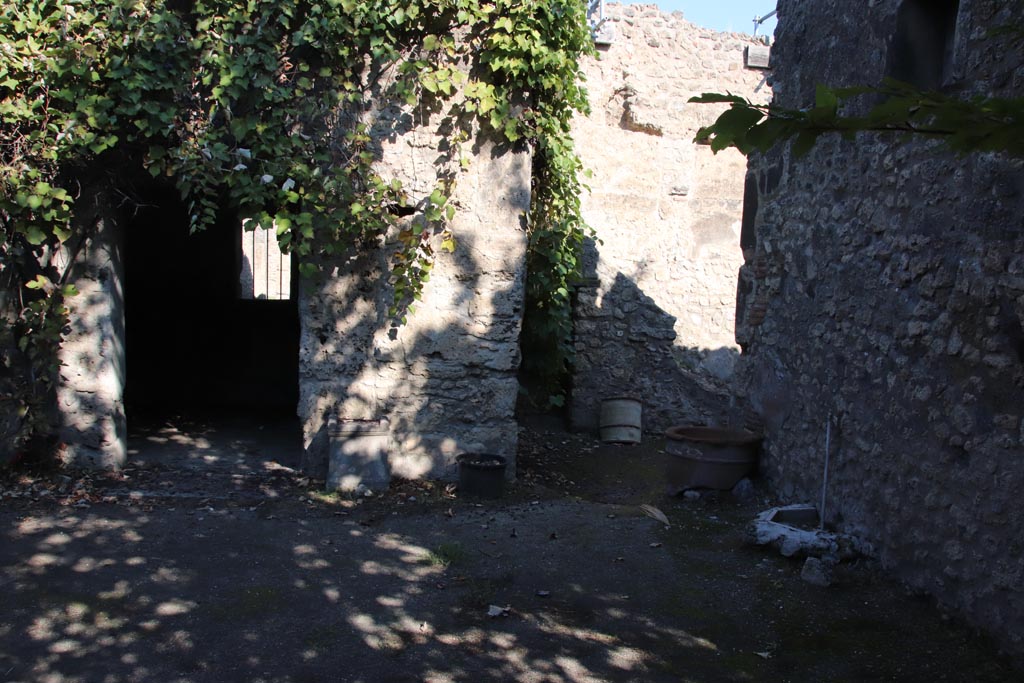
x=655 y=513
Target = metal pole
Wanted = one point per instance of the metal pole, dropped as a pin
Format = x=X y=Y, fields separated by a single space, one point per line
x=760 y=20
x=824 y=479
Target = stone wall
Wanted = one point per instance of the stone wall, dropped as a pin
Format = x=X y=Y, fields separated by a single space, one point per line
x=655 y=318
x=90 y=393
x=884 y=291
x=446 y=380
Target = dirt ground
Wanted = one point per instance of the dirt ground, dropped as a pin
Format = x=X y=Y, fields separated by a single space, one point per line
x=211 y=559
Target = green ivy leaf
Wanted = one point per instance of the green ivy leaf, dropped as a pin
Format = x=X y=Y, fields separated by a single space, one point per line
x=804 y=142
x=35 y=235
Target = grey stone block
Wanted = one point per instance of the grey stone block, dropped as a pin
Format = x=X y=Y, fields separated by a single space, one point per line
x=758 y=56
x=358 y=458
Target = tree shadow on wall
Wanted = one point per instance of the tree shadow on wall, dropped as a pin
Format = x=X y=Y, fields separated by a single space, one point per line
x=626 y=345
x=445 y=381
x=92 y=419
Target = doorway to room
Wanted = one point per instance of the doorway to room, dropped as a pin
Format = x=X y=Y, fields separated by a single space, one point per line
x=193 y=344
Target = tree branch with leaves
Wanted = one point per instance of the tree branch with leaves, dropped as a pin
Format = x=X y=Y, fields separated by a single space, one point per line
x=976 y=124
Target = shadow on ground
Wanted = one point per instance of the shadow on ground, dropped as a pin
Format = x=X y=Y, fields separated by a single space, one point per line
x=254 y=576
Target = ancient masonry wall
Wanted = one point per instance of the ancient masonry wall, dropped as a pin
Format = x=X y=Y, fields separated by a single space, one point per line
x=90 y=393
x=446 y=380
x=884 y=291
x=655 y=317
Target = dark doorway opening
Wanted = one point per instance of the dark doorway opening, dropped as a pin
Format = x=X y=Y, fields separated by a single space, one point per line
x=194 y=348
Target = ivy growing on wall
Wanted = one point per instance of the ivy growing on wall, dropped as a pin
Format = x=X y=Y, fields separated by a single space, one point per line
x=265 y=107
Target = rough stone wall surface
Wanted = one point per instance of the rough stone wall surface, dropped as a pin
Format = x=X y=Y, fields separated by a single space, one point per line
x=446 y=380
x=885 y=292
x=91 y=389
x=655 y=318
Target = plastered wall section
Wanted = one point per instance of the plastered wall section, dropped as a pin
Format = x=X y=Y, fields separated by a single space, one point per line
x=90 y=393
x=654 y=318
x=446 y=379
x=885 y=293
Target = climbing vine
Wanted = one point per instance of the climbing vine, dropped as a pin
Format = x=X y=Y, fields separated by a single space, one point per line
x=268 y=108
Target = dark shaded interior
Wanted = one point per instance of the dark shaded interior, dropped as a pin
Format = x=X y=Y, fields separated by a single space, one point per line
x=748 y=235
x=193 y=347
x=922 y=49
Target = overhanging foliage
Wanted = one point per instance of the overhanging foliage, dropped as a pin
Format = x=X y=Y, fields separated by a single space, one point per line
x=263 y=106
x=977 y=124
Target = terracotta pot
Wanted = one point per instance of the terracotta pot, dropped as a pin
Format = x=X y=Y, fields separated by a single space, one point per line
x=709 y=457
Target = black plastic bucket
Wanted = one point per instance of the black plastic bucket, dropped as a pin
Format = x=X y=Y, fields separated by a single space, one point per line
x=481 y=475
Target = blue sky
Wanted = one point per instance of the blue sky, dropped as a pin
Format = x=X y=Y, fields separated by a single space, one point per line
x=722 y=15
